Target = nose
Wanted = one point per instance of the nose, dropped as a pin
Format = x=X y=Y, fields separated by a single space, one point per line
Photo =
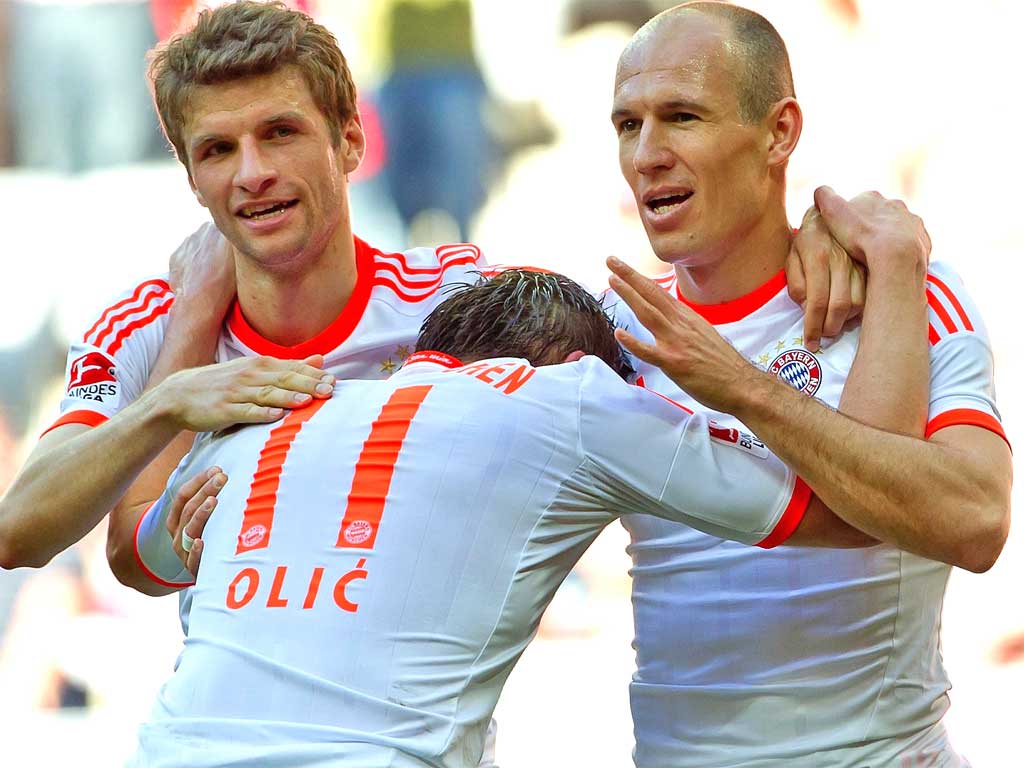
x=255 y=172
x=651 y=152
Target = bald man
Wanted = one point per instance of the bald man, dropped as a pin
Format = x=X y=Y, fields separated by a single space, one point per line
x=795 y=657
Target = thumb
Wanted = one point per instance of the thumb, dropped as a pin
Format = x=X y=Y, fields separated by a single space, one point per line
x=317 y=361
x=842 y=220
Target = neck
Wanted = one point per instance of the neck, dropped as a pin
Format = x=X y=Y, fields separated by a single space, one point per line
x=292 y=306
x=739 y=266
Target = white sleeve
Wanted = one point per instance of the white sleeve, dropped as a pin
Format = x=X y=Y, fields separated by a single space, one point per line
x=108 y=366
x=648 y=454
x=962 y=389
x=154 y=549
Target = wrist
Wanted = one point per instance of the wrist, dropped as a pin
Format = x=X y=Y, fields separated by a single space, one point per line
x=159 y=410
x=899 y=267
x=762 y=395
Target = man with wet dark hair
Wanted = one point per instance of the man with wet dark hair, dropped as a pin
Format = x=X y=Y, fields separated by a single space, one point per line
x=541 y=316
x=388 y=553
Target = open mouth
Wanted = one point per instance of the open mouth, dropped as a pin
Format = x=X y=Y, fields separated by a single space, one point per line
x=661 y=205
x=267 y=212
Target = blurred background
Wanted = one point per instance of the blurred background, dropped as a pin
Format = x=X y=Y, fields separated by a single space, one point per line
x=488 y=121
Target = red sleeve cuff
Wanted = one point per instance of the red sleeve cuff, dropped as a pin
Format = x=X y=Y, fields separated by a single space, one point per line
x=791 y=517
x=89 y=418
x=142 y=566
x=965 y=417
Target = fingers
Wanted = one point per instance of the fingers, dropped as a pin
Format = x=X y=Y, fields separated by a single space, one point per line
x=197 y=523
x=185 y=496
x=196 y=511
x=842 y=220
x=633 y=345
x=194 y=557
x=858 y=289
x=795 y=282
x=651 y=304
x=818 y=282
x=839 y=300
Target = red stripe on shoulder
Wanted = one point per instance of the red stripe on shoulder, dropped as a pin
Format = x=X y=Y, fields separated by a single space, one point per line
x=89 y=418
x=940 y=311
x=452 y=248
x=792 y=516
x=933 y=335
x=106 y=320
x=959 y=417
x=951 y=297
x=142 y=322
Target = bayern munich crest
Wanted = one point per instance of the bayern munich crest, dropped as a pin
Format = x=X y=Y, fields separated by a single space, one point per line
x=798 y=368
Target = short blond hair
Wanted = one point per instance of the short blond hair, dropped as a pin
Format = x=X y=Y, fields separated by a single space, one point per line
x=245 y=39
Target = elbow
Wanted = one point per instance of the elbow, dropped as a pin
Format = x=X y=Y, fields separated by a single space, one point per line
x=982 y=547
x=14 y=551
x=121 y=559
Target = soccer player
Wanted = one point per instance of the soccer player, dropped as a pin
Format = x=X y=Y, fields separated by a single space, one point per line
x=793 y=657
x=260 y=107
x=380 y=560
x=259 y=104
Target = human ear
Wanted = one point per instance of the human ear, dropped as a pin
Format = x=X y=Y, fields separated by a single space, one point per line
x=785 y=122
x=353 y=143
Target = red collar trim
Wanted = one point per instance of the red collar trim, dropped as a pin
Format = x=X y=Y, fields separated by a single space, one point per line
x=331 y=337
x=737 y=309
x=430 y=356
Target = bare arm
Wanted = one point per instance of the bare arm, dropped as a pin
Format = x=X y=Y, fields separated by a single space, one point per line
x=202 y=275
x=77 y=473
x=946 y=498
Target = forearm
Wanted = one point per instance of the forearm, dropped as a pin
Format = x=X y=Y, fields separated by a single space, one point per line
x=64 y=491
x=887 y=386
x=929 y=498
x=190 y=341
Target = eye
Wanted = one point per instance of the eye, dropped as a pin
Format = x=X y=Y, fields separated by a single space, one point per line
x=683 y=117
x=627 y=126
x=217 y=148
x=281 y=131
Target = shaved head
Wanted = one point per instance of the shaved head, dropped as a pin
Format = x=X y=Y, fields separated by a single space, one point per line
x=757 y=56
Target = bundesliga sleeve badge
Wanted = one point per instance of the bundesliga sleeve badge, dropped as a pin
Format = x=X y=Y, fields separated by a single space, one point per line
x=92 y=377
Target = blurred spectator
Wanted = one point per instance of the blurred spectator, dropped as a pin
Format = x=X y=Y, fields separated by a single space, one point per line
x=633 y=13
x=78 y=96
x=431 y=108
x=172 y=16
x=5 y=131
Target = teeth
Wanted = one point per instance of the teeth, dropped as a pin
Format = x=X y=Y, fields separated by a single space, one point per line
x=264 y=213
x=663 y=208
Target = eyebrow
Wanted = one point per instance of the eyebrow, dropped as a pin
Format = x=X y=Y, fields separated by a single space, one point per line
x=281 y=117
x=673 y=105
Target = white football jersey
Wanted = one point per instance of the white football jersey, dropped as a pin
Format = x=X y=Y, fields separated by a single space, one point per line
x=798 y=657
x=108 y=367
x=379 y=561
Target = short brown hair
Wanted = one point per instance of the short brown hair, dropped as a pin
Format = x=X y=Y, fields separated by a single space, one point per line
x=539 y=316
x=245 y=39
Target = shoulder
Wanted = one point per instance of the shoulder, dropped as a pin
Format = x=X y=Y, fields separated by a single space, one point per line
x=419 y=273
x=143 y=305
x=951 y=311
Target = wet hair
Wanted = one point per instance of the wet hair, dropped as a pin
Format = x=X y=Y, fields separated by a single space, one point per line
x=247 y=39
x=762 y=71
x=539 y=316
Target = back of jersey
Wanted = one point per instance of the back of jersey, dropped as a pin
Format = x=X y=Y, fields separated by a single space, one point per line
x=376 y=563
